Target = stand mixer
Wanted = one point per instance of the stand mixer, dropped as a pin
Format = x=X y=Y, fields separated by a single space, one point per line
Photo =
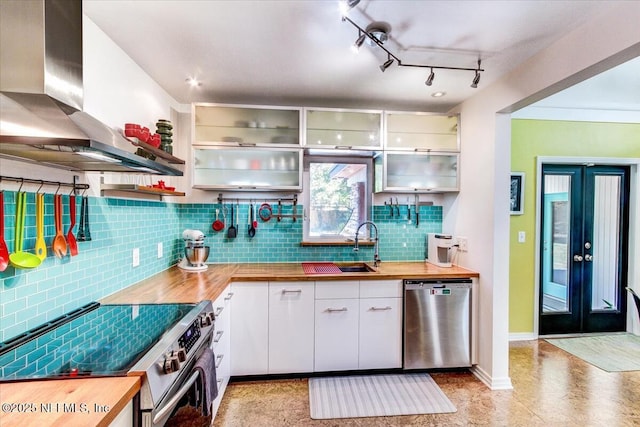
x=195 y=252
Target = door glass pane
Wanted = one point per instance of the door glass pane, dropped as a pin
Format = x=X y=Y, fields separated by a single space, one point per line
x=606 y=232
x=557 y=208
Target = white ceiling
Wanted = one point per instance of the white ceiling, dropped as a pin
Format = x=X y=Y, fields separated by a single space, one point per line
x=298 y=52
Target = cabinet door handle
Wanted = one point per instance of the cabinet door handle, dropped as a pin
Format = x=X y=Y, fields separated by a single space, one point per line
x=247 y=144
x=218 y=336
x=292 y=291
x=219 y=310
x=228 y=297
x=379 y=308
x=219 y=360
x=335 y=310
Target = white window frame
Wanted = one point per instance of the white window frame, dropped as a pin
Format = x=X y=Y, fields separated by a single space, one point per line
x=306 y=194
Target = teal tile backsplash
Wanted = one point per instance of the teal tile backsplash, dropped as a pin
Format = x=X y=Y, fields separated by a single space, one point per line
x=103 y=266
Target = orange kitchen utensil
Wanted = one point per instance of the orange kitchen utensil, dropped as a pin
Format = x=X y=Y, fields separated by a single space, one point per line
x=41 y=246
x=4 y=251
x=71 y=239
x=59 y=244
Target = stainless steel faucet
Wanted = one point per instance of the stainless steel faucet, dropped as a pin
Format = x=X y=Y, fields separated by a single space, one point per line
x=376 y=257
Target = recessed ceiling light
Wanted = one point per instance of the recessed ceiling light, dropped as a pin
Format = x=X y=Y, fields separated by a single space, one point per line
x=438 y=94
x=191 y=81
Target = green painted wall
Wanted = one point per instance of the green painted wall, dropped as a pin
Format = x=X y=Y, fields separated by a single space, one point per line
x=533 y=138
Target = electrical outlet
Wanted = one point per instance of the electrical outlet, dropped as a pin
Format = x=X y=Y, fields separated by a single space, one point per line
x=136 y=257
x=159 y=249
x=521 y=236
x=463 y=244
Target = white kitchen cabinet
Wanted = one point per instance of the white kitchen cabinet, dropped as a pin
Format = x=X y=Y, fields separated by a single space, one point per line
x=343 y=129
x=380 y=324
x=256 y=168
x=336 y=334
x=291 y=327
x=221 y=344
x=421 y=132
x=403 y=172
x=239 y=125
x=380 y=333
x=250 y=328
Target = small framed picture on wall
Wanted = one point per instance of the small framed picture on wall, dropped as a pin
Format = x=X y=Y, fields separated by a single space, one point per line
x=517 y=193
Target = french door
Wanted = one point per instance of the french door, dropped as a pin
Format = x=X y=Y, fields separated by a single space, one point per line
x=583 y=249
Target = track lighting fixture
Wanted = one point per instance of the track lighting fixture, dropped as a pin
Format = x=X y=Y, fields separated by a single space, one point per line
x=476 y=80
x=359 y=41
x=378 y=36
x=429 y=81
x=386 y=64
x=346 y=5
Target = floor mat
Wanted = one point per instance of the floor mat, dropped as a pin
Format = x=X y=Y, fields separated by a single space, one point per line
x=375 y=396
x=611 y=353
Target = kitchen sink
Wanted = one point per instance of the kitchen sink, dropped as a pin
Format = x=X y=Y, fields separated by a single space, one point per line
x=356 y=268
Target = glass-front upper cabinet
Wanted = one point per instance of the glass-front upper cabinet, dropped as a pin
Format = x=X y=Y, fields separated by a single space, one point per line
x=343 y=129
x=404 y=172
x=246 y=125
x=421 y=132
x=258 y=168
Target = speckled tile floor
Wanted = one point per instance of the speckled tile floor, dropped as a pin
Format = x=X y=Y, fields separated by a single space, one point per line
x=550 y=388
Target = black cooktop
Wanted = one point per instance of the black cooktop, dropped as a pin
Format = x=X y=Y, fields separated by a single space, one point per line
x=100 y=340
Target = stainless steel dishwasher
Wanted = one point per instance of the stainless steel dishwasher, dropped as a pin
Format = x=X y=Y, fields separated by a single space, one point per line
x=437 y=323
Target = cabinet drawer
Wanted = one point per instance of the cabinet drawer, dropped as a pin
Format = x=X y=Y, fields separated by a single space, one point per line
x=380 y=288
x=337 y=289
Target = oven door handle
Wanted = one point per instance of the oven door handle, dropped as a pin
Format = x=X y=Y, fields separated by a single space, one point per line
x=168 y=407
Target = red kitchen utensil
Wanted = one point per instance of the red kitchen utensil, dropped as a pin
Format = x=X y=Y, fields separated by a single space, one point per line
x=4 y=251
x=217 y=224
x=71 y=239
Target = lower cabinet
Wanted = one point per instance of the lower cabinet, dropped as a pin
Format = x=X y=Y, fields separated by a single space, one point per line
x=221 y=344
x=305 y=326
x=250 y=328
x=291 y=327
x=380 y=338
x=336 y=334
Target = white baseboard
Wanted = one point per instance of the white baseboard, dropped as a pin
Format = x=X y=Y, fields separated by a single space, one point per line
x=523 y=336
x=492 y=383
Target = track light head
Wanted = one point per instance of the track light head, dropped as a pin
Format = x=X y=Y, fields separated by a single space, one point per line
x=359 y=41
x=429 y=80
x=386 y=64
x=346 y=5
x=476 y=80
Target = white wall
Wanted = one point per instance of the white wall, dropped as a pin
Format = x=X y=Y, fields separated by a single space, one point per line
x=481 y=211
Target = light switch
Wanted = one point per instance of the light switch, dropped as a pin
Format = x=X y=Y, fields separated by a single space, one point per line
x=521 y=237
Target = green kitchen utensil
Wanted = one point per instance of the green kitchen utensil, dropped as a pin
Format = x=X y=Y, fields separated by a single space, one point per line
x=4 y=251
x=41 y=246
x=19 y=258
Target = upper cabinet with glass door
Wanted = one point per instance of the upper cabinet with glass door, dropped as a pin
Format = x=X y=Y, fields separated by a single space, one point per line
x=421 y=132
x=216 y=124
x=343 y=129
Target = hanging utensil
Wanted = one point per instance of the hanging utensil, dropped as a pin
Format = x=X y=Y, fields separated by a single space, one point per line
x=265 y=212
x=41 y=246
x=217 y=224
x=86 y=231
x=252 y=229
x=81 y=237
x=232 y=231
x=71 y=240
x=19 y=258
x=4 y=251
x=59 y=244
x=255 y=216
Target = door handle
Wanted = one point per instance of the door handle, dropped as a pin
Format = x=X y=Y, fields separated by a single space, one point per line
x=577 y=258
x=588 y=257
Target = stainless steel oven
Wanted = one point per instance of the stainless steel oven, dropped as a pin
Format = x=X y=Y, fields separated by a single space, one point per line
x=159 y=342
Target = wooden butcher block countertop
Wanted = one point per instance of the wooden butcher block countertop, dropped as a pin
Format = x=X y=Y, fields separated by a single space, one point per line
x=173 y=285
x=66 y=403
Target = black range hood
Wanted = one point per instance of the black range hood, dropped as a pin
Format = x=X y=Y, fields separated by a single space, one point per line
x=41 y=94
